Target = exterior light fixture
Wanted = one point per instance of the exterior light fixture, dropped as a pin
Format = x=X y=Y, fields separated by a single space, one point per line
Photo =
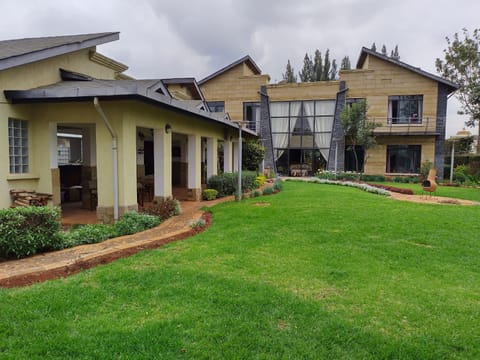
x=168 y=128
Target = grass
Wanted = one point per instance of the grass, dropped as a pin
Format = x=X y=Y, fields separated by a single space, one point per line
x=316 y=271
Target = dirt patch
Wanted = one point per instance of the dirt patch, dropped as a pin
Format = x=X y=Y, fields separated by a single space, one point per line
x=427 y=199
x=82 y=264
x=261 y=204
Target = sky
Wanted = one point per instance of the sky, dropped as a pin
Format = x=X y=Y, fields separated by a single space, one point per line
x=175 y=38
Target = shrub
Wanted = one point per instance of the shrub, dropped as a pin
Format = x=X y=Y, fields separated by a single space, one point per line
x=425 y=169
x=210 y=194
x=133 y=222
x=260 y=180
x=198 y=224
x=164 y=208
x=268 y=190
x=374 y=178
x=257 y=193
x=278 y=185
x=88 y=234
x=226 y=183
x=26 y=231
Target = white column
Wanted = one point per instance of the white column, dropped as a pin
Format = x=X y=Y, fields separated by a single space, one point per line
x=162 y=156
x=227 y=156
x=235 y=156
x=212 y=157
x=194 y=162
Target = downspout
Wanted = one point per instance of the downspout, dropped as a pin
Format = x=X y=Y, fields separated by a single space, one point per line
x=114 y=154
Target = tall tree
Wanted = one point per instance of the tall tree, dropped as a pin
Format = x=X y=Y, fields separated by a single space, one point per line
x=346 y=64
x=318 y=65
x=384 y=50
x=333 y=71
x=374 y=47
x=358 y=129
x=306 y=75
x=462 y=66
x=395 y=55
x=326 y=66
x=289 y=75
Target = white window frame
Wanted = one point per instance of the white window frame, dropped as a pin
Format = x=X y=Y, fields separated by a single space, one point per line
x=18 y=148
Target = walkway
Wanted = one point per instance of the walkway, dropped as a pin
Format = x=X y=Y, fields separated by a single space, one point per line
x=69 y=261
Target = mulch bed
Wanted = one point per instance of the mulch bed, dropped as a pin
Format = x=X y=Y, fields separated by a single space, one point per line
x=393 y=189
x=67 y=270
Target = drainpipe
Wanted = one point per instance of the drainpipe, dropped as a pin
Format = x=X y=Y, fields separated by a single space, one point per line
x=114 y=154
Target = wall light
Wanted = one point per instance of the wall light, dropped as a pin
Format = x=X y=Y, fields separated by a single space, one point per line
x=168 y=128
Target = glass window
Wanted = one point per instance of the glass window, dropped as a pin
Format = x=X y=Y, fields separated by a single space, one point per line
x=251 y=113
x=18 y=146
x=216 y=106
x=403 y=159
x=405 y=109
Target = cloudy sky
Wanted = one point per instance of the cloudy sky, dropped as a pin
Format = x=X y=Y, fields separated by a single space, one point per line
x=172 y=38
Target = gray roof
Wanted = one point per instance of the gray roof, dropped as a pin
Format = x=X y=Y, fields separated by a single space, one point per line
x=246 y=59
x=365 y=51
x=144 y=90
x=23 y=51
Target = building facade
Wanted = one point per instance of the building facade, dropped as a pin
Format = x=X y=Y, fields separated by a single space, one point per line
x=300 y=123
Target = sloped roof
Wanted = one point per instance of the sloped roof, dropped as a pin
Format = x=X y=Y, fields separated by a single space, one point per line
x=23 y=51
x=152 y=91
x=365 y=51
x=246 y=59
x=191 y=83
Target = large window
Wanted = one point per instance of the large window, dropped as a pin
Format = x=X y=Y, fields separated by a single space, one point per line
x=405 y=109
x=403 y=159
x=216 y=106
x=18 y=146
x=305 y=126
x=251 y=113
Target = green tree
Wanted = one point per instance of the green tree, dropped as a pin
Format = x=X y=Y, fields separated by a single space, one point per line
x=318 y=65
x=461 y=65
x=374 y=47
x=384 y=50
x=333 y=70
x=253 y=152
x=346 y=64
x=289 y=75
x=359 y=131
x=306 y=75
x=326 y=66
x=395 y=54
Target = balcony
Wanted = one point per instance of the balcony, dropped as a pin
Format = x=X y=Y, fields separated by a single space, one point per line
x=406 y=126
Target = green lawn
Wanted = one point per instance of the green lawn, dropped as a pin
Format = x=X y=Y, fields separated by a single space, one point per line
x=320 y=271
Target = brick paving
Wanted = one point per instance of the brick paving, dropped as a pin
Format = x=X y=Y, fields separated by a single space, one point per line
x=65 y=262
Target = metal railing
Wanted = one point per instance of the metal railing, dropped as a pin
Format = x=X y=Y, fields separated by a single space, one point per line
x=405 y=126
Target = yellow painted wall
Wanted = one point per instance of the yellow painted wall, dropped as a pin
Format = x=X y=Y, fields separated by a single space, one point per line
x=234 y=87
x=180 y=92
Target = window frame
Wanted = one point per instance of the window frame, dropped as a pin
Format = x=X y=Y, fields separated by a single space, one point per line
x=251 y=124
x=215 y=106
x=414 y=118
x=414 y=149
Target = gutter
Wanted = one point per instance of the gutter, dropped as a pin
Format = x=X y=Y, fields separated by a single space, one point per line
x=114 y=155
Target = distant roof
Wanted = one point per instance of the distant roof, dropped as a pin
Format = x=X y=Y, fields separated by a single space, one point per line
x=152 y=91
x=191 y=83
x=365 y=51
x=246 y=59
x=23 y=51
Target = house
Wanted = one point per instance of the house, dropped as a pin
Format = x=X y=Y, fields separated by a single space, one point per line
x=74 y=125
x=300 y=123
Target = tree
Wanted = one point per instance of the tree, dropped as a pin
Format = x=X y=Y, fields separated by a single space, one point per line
x=462 y=66
x=374 y=47
x=306 y=75
x=333 y=71
x=289 y=75
x=318 y=65
x=358 y=130
x=326 y=66
x=384 y=50
x=395 y=55
x=346 y=65
x=253 y=152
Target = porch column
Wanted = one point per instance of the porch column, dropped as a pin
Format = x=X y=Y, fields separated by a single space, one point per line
x=54 y=170
x=212 y=157
x=194 y=167
x=235 y=156
x=162 y=162
x=227 y=156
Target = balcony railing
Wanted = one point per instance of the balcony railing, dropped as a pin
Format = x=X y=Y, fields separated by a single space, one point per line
x=406 y=126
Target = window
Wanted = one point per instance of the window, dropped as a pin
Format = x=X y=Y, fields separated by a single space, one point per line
x=18 y=146
x=251 y=113
x=216 y=106
x=405 y=109
x=403 y=159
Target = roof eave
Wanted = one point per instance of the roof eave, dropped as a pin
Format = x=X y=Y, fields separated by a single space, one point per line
x=56 y=51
